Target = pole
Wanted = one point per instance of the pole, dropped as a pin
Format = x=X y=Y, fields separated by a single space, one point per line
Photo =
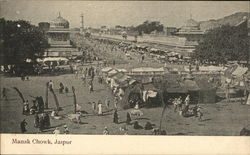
x=56 y=99
x=46 y=96
x=74 y=95
x=82 y=23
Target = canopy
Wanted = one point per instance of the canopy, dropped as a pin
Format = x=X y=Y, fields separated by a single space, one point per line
x=240 y=71
x=106 y=69
x=149 y=86
x=154 y=49
x=122 y=70
x=112 y=72
x=148 y=69
x=191 y=85
x=173 y=86
x=211 y=68
x=55 y=59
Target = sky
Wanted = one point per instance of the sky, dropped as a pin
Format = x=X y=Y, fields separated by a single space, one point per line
x=125 y=13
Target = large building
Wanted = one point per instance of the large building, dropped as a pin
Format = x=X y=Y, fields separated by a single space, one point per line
x=59 y=39
x=191 y=31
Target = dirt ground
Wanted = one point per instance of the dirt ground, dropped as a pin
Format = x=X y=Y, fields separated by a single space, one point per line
x=219 y=119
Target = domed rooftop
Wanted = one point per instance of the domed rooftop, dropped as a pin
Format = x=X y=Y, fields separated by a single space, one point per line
x=59 y=22
x=191 y=23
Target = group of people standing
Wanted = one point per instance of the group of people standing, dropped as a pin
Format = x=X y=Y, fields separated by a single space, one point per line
x=184 y=108
x=97 y=108
x=42 y=122
x=37 y=107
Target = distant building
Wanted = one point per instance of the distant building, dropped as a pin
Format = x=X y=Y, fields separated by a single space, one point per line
x=59 y=39
x=191 y=31
x=104 y=29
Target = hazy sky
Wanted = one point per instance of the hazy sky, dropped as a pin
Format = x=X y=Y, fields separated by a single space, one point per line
x=97 y=13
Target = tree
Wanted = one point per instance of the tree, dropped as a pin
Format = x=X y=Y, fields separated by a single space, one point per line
x=226 y=43
x=148 y=27
x=20 y=41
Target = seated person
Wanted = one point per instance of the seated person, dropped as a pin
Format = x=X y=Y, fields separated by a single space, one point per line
x=137 y=125
x=148 y=126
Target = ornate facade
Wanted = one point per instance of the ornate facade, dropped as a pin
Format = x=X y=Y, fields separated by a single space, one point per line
x=191 y=31
x=59 y=39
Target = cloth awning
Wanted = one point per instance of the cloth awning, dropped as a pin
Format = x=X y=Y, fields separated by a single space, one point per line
x=175 y=87
x=240 y=71
x=112 y=72
x=148 y=69
x=62 y=50
x=106 y=69
x=55 y=59
x=211 y=68
x=191 y=85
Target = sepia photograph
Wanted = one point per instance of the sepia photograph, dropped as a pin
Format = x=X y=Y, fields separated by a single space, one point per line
x=169 y=68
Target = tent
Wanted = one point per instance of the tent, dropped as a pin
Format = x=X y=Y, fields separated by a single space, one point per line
x=148 y=69
x=190 y=85
x=230 y=69
x=211 y=68
x=122 y=70
x=112 y=72
x=132 y=94
x=207 y=92
x=54 y=59
x=239 y=71
x=151 y=95
x=193 y=90
x=106 y=69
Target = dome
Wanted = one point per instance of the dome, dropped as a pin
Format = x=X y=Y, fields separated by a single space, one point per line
x=59 y=22
x=191 y=23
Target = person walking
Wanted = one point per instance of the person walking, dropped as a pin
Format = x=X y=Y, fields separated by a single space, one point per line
x=56 y=131
x=128 y=121
x=175 y=102
x=26 y=109
x=84 y=79
x=228 y=92
x=61 y=88
x=36 y=121
x=66 y=129
x=93 y=107
x=4 y=93
x=105 y=131
x=99 y=107
x=41 y=123
x=107 y=103
x=91 y=89
x=115 y=119
x=23 y=125
x=187 y=100
x=179 y=103
x=46 y=120
x=115 y=102
x=199 y=113
x=51 y=85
